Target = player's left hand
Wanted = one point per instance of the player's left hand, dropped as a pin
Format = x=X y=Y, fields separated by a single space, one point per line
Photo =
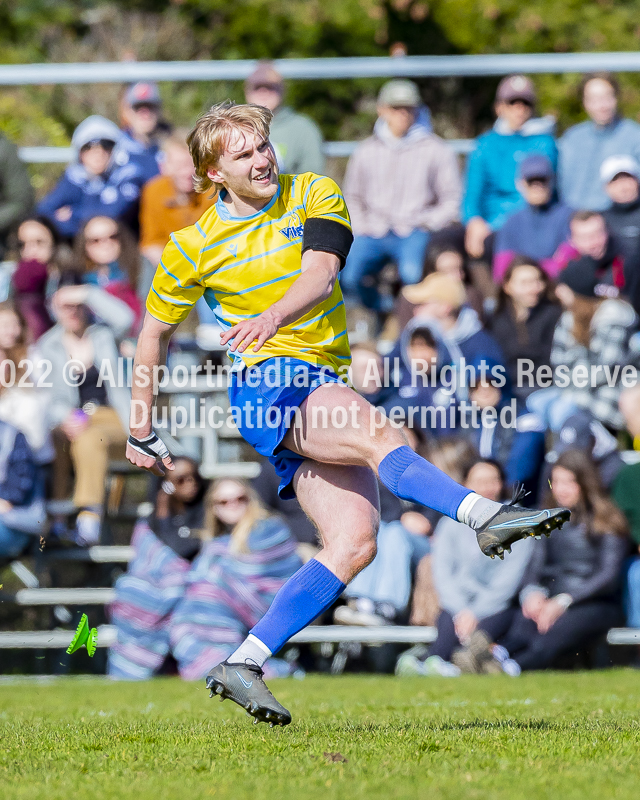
x=244 y=333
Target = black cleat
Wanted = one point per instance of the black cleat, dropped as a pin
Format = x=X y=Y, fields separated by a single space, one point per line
x=243 y=684
x=513 y=523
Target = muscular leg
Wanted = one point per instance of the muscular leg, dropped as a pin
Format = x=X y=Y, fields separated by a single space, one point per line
x=336 y=425
x=343 y=503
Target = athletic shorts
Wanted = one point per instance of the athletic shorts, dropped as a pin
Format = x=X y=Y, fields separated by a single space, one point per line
x=265 y=398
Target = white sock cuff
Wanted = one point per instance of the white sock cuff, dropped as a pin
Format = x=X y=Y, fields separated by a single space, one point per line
x=254 y=640
x=464 y=509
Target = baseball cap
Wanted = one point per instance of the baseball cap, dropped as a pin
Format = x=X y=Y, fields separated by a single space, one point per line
x=438 y=287
x=143 y=94
x=265 y=74
x=535 y=166
x=516 y=87
x=400 y=93
x=615 y=165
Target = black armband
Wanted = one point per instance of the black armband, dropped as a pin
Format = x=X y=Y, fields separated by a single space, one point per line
x=328 y=236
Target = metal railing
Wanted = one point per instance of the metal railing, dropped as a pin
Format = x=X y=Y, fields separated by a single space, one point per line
x=62 y=155
x=319 y=68
x=308 y=69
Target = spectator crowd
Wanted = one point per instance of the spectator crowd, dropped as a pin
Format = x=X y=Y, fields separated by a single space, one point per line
x=494 y=315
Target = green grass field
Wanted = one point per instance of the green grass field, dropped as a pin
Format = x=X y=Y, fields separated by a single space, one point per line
x=553 y=735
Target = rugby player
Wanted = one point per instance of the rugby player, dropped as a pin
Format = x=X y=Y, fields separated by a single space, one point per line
x=266 y=257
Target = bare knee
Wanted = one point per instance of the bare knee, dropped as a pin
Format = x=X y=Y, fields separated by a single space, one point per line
x=355 y=549
x=363 y=553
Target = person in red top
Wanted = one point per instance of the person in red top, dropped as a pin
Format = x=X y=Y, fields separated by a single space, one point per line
x=593 y=248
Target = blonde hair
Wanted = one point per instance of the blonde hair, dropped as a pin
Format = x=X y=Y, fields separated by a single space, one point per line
x=255 y=512
x=177 y=138
x=210 y=135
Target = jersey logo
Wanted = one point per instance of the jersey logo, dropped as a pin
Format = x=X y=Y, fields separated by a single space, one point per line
x=294 y=227
x=233 y=249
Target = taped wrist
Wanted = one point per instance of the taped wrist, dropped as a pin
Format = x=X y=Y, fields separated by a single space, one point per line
x=151 y=445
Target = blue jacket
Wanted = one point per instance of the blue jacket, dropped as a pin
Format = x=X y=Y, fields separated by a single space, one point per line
x=17 y=467
x=535 y=231
x=114 y=194
x=147 y=159
x=519 y=450
x=492 y=167
x=583 y=148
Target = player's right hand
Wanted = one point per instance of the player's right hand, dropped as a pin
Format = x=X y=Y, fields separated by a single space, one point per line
x=149 y=453
x=244 y=333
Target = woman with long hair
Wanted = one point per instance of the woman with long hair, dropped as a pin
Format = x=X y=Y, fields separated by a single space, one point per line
x=525 y=318
x=571 y=588
x=106 y=255
x=165 y=545
x=37 y=272
x=247 y=556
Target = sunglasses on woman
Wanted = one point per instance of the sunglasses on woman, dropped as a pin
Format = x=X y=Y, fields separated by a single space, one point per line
x=232 y=501
x=114 y=237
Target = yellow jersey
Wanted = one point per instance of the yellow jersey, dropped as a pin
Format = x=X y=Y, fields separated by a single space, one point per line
x=243 y=265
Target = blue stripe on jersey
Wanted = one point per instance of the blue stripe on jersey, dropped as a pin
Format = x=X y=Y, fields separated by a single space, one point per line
x=200 y=231
x=258 y=285
x=215 y=306
x=344 y=220
x=306 y=194
x=171 y=299
x=315 y=319
x=249 y=230
x=326 y=341
x=171 y=275
x=233 y=264
x=189 y=259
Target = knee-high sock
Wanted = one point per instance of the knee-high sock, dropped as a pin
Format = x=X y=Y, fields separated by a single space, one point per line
x=304 y=597
x=412 y=477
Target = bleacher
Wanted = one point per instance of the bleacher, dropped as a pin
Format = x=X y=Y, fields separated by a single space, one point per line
x=222 y=452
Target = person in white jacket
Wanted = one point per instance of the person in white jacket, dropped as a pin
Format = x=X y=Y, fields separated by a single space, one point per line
x=88 y=398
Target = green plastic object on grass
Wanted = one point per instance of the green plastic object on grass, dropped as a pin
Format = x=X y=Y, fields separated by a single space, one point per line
x=84 y=636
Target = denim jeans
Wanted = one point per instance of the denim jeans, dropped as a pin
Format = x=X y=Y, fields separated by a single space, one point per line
x=12 y=543
x=368 y=256
x=632 y=592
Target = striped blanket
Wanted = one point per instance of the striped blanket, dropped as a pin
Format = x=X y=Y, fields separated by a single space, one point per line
x=227 y=594
x=198 y=611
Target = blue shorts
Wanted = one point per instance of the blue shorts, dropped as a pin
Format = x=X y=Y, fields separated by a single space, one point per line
x=265 y=398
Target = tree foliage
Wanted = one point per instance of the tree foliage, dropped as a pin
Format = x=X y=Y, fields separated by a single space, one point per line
x=91 y=30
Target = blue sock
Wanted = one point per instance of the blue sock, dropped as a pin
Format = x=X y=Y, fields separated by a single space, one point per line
x=304 y=597
x=412 y=477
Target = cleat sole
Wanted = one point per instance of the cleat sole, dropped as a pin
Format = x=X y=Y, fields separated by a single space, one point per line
x=497 y=548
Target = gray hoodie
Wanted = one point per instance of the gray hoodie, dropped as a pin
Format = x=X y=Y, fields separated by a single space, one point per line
x=466 y=579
